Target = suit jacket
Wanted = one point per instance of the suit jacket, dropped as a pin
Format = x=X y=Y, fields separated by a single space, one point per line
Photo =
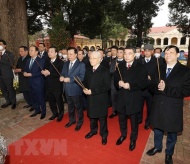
x=78 y=69
x=167 y=108
x=99 y=83
x=105 y=63
x=44 y=55
x=6 y=65
x=52 y=81
x=37 y=80
x=128 y=101
x=23 y=81
x=112 y=71
x=151 y=67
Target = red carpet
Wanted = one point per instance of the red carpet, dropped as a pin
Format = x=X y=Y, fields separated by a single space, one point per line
x=55 y=144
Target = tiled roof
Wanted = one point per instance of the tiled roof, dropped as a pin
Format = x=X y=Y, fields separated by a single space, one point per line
x=162 y=29
x=80 y=37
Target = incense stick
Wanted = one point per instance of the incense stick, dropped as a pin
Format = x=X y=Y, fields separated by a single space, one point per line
x=55 y=68
x=78 y=82
x=119 y=71
x=158 y=65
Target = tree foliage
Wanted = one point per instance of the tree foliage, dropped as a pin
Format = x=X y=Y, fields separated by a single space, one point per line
x=58 y=34
x=139 y=14
x=179 y=11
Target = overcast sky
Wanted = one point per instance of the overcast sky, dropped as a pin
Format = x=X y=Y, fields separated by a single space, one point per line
x=162 y=17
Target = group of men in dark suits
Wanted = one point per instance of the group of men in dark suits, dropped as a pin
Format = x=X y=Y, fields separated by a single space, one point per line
x=131 y=78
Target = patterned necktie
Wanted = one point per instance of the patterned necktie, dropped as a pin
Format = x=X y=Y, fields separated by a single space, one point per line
x=168 y=72
x=147 y=60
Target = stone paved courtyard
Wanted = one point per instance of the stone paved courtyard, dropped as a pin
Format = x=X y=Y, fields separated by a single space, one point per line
x=15 y=124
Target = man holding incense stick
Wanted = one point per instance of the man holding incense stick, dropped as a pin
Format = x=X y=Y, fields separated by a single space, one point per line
x=130 y=81
x=6 y=76
x=167 y=107
x=71 y=69
x=97 y=82
x=32 y=70
x=54 y=88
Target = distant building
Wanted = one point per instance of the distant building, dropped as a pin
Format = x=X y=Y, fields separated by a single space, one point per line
x=79 y=42
x=163 y=36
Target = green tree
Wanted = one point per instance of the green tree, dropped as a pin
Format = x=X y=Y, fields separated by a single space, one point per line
x=58 y=34
x=138 y=16
x=179 y=11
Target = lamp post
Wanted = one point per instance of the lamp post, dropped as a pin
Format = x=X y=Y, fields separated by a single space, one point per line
x=188 y=59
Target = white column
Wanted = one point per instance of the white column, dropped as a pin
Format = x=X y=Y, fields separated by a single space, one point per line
x=169 y=41
x=162 y=42
x=187 y=41
x=178 y=41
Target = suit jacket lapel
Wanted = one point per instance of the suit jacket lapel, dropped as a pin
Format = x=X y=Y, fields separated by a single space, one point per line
x=173 y=71
x=73 y=68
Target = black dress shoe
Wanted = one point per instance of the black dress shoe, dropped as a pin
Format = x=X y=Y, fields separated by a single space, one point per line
x=31 y=109
x=59 y=119
x=26 y=106
x=132 y=145
x=168 y=159
x=153 y=151
x=120 y=140
x=113 y=115
x=89 y=135
x=147 y=126
x=104 y=140
x=69 y=124
x=5 y=105
x=13 y=106
x=78 y=127
x=42 y=116
x=53 y=117
x=35 y=114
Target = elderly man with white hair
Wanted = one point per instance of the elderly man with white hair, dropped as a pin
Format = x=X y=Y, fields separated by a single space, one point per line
x=97 y=82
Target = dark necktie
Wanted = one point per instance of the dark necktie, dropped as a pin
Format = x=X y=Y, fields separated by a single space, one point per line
x=70 y=66
x=31 y=63
x=94 y=70
x=147 y=60
x=0 y=55
x=168 y=72
x=128 y=66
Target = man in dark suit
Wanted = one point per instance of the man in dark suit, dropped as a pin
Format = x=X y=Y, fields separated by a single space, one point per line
x=104 y=62
x=54 y=88
x=167 y=109
x=97 y=82
x=114 y=90
x=131 y=82
x=23 y=81
x=42 y=51
x=151 y=66
x=32 y=70
x=6 y=76
x=73 y=68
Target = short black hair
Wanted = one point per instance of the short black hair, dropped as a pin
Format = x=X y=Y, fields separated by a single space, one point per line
x=42 y=44
x=121 y=48
x=72 y=48
x=24 y=47
x=114 y=47
x=53 y=48
x=172 y=46
x=100 y=49
x=81 y=51
x=1 y=40
x=36 y=48
x=158 y=49
x=131 y=48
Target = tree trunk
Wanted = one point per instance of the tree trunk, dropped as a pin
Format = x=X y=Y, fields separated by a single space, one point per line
x=13 y=24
